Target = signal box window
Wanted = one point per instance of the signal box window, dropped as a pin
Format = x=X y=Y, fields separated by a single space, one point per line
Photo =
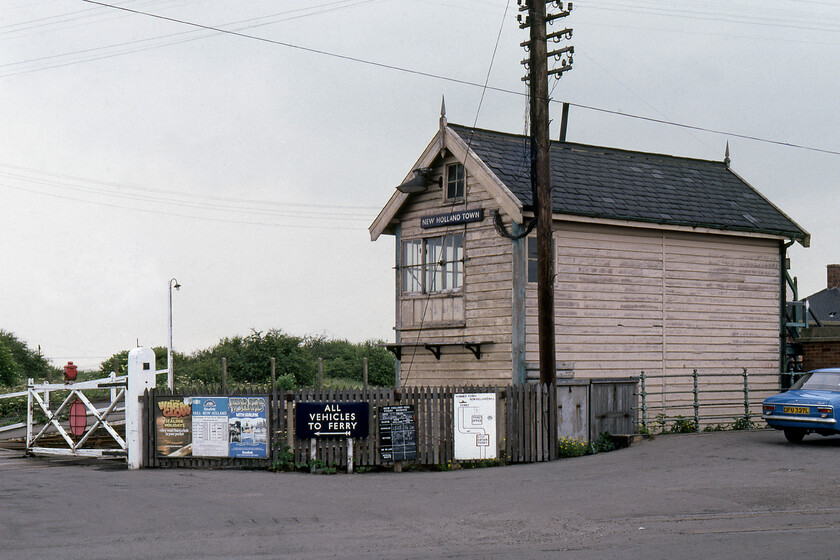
x=455 y=181
x=433 y=265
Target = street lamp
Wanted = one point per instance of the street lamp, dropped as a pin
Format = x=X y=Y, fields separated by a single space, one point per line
x=170 y=375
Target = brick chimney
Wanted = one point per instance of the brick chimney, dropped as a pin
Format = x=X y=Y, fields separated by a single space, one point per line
x=833 y=275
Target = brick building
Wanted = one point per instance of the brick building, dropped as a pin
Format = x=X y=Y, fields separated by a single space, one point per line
x=820 y=344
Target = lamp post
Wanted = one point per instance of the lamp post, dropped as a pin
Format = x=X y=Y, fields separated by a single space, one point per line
x=170 y=375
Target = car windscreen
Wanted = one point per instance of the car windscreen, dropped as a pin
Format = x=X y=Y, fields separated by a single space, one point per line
x=819 y=381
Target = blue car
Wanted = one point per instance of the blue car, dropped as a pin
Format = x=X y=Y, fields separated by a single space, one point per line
x=808 y=406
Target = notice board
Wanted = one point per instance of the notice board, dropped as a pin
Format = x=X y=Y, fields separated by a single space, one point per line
x=397 y=433
x=235 y=427
x=475 y=426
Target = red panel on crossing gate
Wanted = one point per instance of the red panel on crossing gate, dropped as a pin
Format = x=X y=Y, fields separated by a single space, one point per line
x=78 y=418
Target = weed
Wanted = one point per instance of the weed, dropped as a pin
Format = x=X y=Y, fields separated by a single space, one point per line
x=285 y=461
x=683 y=426
x=603 y=444
x=715 y=428
x=572 y=447
x=743 y=423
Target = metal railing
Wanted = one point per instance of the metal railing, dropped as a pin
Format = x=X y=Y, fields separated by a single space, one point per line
x=695 y=399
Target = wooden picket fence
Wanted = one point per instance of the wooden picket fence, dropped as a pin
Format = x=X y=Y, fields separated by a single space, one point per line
x=526 y=425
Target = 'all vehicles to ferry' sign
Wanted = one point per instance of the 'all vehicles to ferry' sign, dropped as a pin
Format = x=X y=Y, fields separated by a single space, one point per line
x=331 y=420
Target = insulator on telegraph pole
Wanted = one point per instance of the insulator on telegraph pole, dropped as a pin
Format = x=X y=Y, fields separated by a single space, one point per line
x=536 y=19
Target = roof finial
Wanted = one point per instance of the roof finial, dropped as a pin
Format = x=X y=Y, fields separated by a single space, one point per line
x=442 y=112
x=726 y=159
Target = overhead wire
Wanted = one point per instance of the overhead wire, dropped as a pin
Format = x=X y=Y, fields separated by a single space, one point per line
x=457 y=80
x=102 y=187
x=190 y=216
x=141 y=45
x=448 y=229
x=48 y=182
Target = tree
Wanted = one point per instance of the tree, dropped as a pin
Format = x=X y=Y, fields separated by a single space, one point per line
x=381 y=364
x=29 y=363
x=107 y=366
x=249 y=359
x=8 y=366
x=344 y=360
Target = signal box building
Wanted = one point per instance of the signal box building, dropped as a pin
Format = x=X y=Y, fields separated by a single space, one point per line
x=662 y=264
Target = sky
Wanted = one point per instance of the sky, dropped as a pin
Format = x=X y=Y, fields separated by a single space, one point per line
x=248 y=160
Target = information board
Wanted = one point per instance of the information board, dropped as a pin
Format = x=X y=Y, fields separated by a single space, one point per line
x=212 y=426
x=475 y=426
x=397 y=433
x=331 y=419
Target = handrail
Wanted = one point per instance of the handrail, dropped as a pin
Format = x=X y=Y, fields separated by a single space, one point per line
x=697 y=388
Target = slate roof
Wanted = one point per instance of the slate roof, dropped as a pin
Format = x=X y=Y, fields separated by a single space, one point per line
x=636 y=186
x=825 y=305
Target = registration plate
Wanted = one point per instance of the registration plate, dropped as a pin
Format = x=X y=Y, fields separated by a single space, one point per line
x=797 y=410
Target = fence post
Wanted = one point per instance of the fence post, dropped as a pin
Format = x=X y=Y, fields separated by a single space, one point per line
x=320 y=379
x=696 y=404
x=113 y=378
x=746 y=396
x=224 y=375
x=643 y=394
x=365 y=372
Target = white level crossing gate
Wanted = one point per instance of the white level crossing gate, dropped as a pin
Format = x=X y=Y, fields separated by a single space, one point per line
x=107 y=417
x=100 y=438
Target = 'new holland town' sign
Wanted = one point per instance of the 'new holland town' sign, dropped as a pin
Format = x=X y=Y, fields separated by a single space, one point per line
x=453 y=218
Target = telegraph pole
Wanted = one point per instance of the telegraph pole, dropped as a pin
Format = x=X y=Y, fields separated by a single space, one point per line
x=537 y=78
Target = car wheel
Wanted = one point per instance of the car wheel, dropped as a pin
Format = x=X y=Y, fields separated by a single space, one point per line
x=794 y=435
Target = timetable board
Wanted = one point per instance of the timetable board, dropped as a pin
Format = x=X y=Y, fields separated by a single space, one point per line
x=397 y=433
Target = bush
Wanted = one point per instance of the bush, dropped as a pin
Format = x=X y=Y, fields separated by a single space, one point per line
x=18 y=363
x=248 y=361
x=8 y=367
x=604 y=443
x=344 y=360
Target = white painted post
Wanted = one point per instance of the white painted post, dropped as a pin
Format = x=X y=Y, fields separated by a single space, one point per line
x=112 y=378
x=312 y=453
x=349 y=455
x=29 y=384
x=141 y=376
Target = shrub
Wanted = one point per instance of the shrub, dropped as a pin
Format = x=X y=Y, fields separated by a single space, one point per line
x=603 y=444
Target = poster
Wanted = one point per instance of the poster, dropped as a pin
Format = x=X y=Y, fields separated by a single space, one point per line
x=247 y=423
x=173 y=426
x=475 y=426
x=210 y=426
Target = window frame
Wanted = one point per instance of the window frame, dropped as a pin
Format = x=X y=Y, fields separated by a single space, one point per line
x=453 y=179
x=531 y=259
x=440 y=269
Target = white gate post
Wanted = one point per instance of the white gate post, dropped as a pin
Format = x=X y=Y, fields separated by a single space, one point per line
x=141 y=376
x=29 y=383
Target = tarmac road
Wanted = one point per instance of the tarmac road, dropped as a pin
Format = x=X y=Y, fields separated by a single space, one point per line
x=719 y=495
